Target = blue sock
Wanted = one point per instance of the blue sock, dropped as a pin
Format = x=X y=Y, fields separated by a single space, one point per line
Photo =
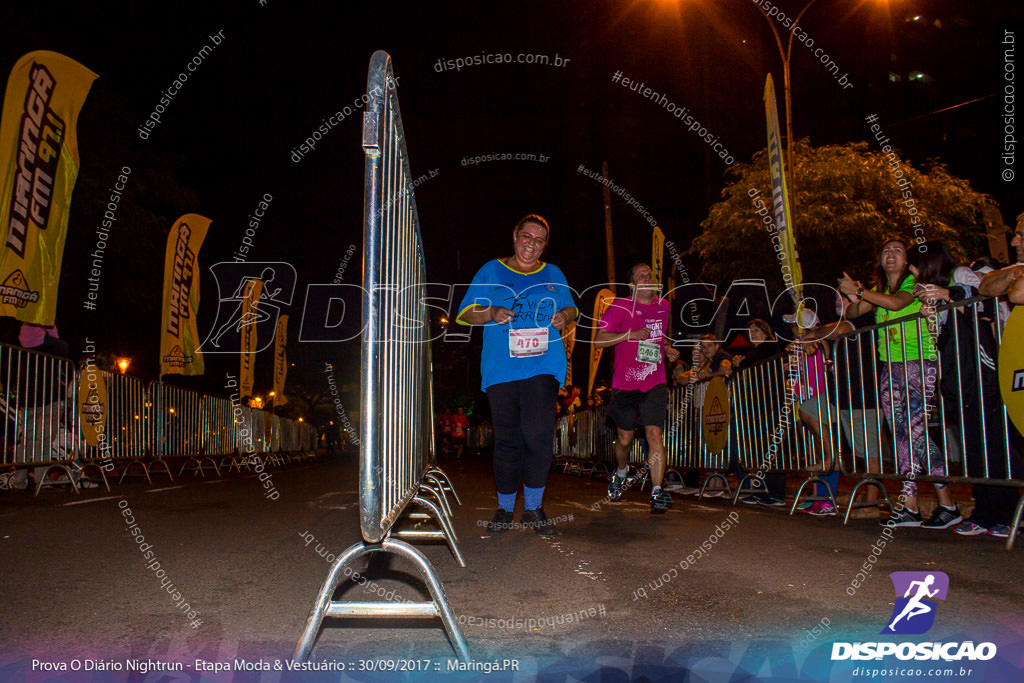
x=832 y=480
x=507 y=501
x=532 y=497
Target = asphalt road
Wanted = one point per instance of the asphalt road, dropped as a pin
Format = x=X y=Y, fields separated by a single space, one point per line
x=619 y=594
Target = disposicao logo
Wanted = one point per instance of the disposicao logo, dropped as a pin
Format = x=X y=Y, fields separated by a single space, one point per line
x=915 y=608
x=913 y=614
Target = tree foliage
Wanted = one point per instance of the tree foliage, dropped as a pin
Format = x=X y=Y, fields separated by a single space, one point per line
x=847 y=202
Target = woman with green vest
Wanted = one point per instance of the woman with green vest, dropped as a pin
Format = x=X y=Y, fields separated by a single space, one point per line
x=908 y=381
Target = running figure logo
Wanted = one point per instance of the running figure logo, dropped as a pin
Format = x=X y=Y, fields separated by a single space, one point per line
x=916 y=593
x=234 y=319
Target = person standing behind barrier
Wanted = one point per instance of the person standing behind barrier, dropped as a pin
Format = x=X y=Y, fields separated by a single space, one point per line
x=907 y=384
x=714 y=362
x=1007 y=281
x=636 y=328
x=764 y=345
x=523 y=304
x=974 y=395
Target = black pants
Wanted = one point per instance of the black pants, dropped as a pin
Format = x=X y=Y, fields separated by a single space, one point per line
x=523 y=413
x=993 y=504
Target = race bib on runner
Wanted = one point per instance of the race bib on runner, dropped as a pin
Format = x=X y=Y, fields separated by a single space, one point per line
x=648 y=352
x=530 y=341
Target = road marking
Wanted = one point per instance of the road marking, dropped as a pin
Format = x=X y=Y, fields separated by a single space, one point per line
x=166 y=488
x=91 y=500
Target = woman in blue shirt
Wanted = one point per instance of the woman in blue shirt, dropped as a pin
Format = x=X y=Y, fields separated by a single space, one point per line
x=523 y=304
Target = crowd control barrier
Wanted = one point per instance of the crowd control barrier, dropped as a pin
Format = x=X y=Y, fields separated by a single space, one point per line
x=955 y=425
x=49 y=406
x=396 y=420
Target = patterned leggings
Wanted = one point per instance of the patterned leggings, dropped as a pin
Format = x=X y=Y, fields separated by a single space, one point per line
x=903 y=400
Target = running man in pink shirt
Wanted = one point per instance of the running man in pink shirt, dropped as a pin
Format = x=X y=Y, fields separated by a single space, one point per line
x=636 y=327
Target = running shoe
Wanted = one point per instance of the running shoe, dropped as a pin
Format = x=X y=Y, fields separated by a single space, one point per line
x=751 y=500
x=1001 y=531
x=713 y=493
x=943 y=518
x=615 y=487
x=969 y=528
x=821 y=508
x=903 y=518
x=539 y=522
x=802 y=507
x=771 y=501
x=502 y=521
x=661 y=502
x=688 y=491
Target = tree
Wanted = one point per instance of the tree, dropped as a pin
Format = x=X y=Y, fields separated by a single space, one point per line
x=847 y=202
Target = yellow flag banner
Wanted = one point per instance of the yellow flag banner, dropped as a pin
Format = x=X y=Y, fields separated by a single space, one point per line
x=179 y=336
x=250 y=315
x=39 y=153
x=280 y=360
x=604 y=299
x=792 y=276
x=569 y=341
x=657 y=252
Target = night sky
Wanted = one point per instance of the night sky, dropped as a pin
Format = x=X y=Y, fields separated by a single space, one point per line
x=229 y=135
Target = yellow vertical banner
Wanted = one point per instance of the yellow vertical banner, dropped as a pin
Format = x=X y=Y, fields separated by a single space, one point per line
x=569 y=340
x=792 y=276
x=39 y=153
x=247 y=326
x=179 y=334
x=604 y=299
x=657 y=255
x=280 y=360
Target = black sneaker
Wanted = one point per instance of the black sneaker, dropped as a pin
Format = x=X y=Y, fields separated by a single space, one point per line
x=943 y=518
x=771 y=502
x=538 y=521
x=502 y=521
x=751 y=500
x=661 y=502
x=903 y=518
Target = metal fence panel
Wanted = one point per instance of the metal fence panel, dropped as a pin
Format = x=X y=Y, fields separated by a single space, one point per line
x=396 y=413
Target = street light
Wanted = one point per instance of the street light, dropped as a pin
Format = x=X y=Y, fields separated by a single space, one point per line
x=785 y=54
x=123 y=363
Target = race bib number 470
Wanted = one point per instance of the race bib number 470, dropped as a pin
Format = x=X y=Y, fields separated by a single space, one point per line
x=531 y=341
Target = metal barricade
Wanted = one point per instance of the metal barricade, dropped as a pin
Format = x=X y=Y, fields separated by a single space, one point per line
x=41 y=421
x=397 y=421
x=938 y=410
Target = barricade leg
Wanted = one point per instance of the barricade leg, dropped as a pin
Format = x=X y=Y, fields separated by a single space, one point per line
x=1016 y=524
x=103 y=474
x=145 y=471
x=715 y=476
x=161 y=461
x=814 y=480
x=447 y=532
x=44 y=480
x=438 y=491
x=325 y=607
x=853 y=496
x=437 y=472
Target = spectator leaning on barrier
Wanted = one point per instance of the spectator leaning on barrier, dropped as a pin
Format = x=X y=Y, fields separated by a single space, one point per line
x=1007 y=281
x=764 y=345
x=636 y=328
x=522 y=304
x=855 y=408
x=713 y=361
x=907 y=385
x=966 y=392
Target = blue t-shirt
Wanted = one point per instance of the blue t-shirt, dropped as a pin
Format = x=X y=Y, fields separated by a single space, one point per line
x=533 y=298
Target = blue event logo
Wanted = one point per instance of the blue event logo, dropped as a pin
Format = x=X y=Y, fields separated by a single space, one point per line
x=916 y=593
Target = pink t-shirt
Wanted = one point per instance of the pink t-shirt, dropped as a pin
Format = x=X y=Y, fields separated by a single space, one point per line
x=626 y=315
